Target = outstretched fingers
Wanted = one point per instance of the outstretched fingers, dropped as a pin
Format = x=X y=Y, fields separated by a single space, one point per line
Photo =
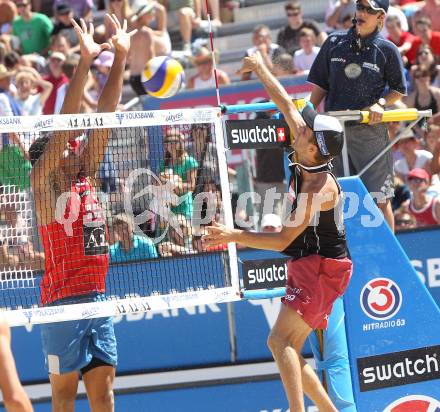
x=116 y=20
x=75 y=25
x=133 y=32
x=105 y=46
x=83 y=26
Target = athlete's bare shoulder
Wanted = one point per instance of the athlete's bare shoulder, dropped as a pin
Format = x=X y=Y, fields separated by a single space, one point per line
x=324 y=190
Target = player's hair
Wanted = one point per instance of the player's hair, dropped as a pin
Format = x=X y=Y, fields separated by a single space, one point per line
x=424 y=20
x=37 y=148
x=305 y=31
x=393 y=19
x=292 y=5
x=260 y=27
x=11 y=59
x=284 y=61
x=70 y=65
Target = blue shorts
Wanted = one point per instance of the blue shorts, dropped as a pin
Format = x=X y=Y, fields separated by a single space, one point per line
x=71 y=346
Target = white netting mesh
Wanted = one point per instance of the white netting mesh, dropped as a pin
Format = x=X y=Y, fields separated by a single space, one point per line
x=123 y=219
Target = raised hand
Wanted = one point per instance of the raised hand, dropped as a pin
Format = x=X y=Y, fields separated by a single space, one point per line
x=121 y=39
x=89 y=49
x=218 y=234
x=251 y=63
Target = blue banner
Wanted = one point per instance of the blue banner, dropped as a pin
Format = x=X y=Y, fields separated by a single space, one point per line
x=422 y=248
x=392 y=322
x=265 y=396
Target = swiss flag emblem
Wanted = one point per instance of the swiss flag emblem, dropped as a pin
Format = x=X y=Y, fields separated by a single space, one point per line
x=281 y=134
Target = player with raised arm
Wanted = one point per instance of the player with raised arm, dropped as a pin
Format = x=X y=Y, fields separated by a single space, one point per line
x=313 y=236
x=74 y=235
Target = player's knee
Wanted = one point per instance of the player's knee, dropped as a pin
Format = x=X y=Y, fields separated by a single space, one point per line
x=104 y=400
x=63 y=397
x=17 y=402
x=185 y=12
x=276 y=342
x=63 y=401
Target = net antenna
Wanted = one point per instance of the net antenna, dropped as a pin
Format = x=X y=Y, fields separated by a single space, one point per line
x=181 y=274
x=211 y=42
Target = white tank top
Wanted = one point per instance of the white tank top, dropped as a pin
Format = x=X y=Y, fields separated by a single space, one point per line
x=204 y=84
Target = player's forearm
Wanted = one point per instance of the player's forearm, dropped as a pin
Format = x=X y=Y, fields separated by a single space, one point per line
x=275 y=90
x=318 y=94
x=392 y=97
x=75 y=90
x=266 y=241
x=332 y=20
x=109 y=99
x=435 y=163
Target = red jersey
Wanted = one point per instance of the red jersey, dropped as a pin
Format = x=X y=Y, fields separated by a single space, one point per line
x=407 y=37
x=426 y=215
x=434 y=44
x=57 y=82
x=76 y=249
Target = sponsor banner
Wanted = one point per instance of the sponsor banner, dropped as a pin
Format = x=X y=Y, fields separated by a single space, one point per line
x=420 y=245
x=264 y=396
x=399 y=368
x=107 y=120
x=130 y=305
x=264 y=274
x=381 y=299
x=257 y=134
x=388 y=310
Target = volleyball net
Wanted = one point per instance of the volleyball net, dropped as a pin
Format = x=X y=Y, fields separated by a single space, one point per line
x=103 y=214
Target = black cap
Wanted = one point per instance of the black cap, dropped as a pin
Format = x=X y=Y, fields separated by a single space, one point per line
x=63 y=8
x=380 y=5
x=328 y=131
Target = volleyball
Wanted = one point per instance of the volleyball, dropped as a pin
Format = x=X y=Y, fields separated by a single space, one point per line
x=163 y=77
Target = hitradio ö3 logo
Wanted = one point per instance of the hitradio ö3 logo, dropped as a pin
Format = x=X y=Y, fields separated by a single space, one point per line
x=381 y=298
x=414 y=403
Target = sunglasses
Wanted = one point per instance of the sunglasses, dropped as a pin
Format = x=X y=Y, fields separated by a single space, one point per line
x=22 y=4
x=368 y=9
x=403 y=222
x=293 y=13
x=421 y=75
x=416 y=180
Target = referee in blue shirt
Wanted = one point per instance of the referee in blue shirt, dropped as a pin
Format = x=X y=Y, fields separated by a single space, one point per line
x=360 y=70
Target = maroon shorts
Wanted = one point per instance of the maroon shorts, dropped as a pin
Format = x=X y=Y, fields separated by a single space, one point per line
x=313 y=284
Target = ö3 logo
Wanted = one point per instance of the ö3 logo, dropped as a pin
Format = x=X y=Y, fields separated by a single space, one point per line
x=414 y=403
x=381 y=299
